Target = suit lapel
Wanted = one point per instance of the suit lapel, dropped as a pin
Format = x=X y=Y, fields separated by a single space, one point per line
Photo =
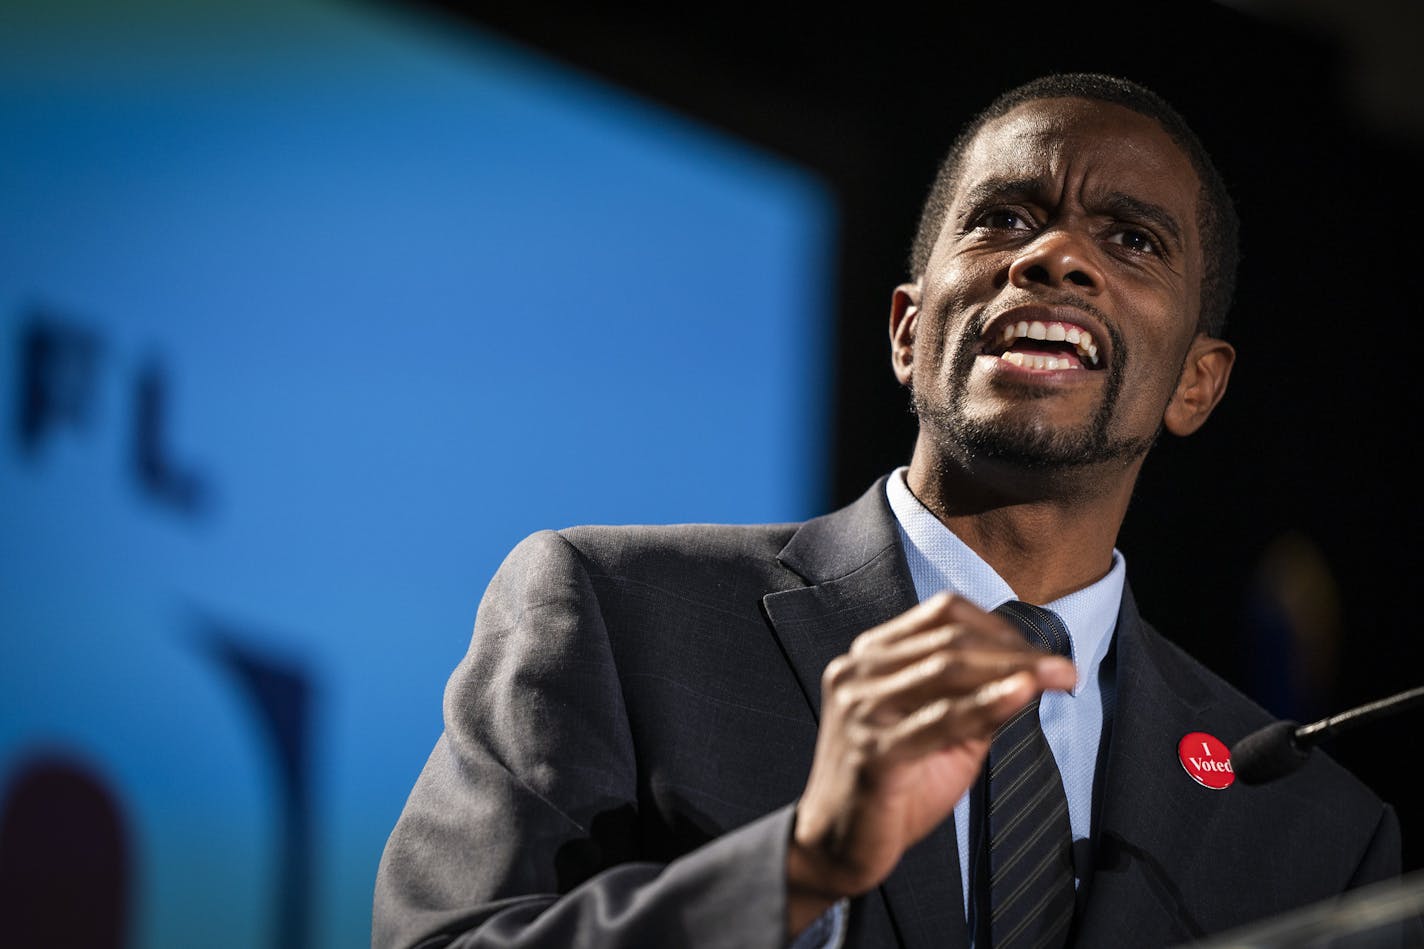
x=857 y=578
x=1159 y=699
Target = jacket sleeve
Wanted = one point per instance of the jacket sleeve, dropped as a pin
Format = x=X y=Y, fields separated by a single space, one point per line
x=522 y=828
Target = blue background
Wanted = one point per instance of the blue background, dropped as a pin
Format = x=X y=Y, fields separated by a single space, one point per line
x=410 y=294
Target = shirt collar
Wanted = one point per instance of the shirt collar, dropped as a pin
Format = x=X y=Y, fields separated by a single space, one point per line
x=938 y=560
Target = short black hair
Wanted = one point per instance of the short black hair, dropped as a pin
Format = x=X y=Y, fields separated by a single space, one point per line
x=1216 y=215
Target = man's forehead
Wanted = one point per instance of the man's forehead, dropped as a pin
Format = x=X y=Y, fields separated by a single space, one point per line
x=1107 y=144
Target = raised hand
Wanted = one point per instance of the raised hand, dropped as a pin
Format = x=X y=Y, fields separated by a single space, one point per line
x=907 y=717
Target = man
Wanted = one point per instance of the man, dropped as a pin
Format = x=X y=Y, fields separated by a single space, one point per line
x=743 y=736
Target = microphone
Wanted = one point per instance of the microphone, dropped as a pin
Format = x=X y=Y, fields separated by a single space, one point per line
x=1282 y=747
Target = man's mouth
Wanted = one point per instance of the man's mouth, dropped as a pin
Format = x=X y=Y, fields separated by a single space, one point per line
x=1044 y=345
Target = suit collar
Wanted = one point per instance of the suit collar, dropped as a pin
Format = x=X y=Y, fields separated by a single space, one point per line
x=856 y=578
x=841 y=543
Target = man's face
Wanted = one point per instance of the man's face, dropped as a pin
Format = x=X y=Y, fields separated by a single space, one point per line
x=1060 y=303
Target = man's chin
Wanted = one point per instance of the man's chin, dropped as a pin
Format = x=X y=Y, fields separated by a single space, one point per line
x=1029 y=447
x=1036 y=450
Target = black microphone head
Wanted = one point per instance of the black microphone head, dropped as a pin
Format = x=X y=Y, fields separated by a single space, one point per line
x=1268 y=753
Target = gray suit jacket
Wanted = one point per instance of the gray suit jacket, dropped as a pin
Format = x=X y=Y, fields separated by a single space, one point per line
x=627 y=736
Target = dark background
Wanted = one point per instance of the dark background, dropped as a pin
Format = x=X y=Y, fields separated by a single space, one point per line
x=1312 y=113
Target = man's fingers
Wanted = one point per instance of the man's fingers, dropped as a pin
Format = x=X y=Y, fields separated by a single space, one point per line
x=915 y=700
x=944 y=722
x=895 y=644
x=1055 y=672
x=957 y=642
x=940 y=610
x=948 y=674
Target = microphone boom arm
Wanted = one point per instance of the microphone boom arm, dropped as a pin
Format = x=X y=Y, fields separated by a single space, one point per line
x=1316 y=732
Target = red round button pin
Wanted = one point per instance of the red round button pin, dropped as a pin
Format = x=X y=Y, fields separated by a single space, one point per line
x=1207 y=760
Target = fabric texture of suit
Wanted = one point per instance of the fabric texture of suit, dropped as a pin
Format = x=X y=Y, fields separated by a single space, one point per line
x=636 y=716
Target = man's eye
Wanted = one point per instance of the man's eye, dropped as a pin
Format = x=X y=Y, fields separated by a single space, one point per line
x=1004 y=220
x=1134 y=240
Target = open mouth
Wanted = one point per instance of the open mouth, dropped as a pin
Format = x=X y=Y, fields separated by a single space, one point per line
x=1050 y=345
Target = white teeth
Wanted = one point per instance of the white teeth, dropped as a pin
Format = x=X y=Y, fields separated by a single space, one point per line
x=1053 y=332
x=1054 y=363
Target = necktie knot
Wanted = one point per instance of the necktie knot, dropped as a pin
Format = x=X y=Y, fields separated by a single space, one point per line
x=1041 y=627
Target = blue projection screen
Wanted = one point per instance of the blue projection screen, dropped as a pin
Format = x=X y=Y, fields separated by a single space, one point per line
x=310 y=311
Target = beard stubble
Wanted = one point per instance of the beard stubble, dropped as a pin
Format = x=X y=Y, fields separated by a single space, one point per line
x=1027 y=446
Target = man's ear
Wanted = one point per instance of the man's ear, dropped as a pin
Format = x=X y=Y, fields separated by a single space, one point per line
x=1203 y=383
x=904 y=316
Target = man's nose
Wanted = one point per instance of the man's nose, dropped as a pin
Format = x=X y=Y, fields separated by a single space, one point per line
x=1058 y=259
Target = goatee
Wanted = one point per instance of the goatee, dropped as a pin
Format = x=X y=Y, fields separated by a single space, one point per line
x=1029 y=446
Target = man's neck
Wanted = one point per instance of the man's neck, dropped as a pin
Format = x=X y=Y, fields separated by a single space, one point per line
x=1046 y=535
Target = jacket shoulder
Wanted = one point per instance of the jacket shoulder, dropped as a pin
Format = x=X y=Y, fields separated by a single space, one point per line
x=692 y=555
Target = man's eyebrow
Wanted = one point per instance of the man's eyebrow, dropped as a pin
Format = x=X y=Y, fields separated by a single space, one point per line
x=1115 y=203
x=999 y=189
x=1125 y=206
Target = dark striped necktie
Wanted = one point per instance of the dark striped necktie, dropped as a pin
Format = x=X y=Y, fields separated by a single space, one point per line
x=1030 y=841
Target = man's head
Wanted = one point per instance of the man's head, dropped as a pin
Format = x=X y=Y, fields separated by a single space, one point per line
x=1216 y=215
x=1055 y=322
